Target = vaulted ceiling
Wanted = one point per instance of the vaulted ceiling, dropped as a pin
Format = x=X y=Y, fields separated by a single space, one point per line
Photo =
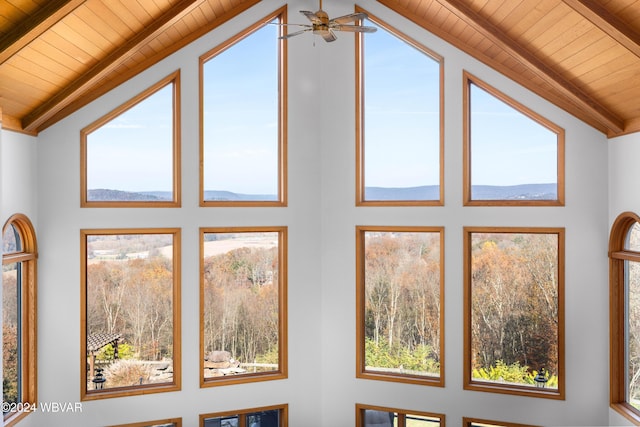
x=582 y=55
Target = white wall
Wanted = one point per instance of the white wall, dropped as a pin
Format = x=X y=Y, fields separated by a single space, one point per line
x=18 y=175
x=321 y=389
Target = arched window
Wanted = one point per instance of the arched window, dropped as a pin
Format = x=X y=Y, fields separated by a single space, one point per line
x=624 y=300
x=19 y=253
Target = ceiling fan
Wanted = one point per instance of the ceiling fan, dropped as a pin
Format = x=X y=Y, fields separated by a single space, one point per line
x=325 y=27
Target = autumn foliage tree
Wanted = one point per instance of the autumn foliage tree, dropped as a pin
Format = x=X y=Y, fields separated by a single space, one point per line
x=10 y=356
x=402 y=300
x=134 y=298
x=10 y=364
x=240 y=295
x=514 y=302
x=130 y=291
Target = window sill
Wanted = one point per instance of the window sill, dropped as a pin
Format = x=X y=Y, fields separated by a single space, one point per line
x=627 y=411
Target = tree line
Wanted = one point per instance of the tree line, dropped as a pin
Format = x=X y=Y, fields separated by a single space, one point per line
x=514 y=302
x=241 y=304
x=10 y=392
x=402 y=301
x=133 y=297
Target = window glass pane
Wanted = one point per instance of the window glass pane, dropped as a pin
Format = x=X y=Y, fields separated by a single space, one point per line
x=633 y=333
x=264 y=419
x=241 y=286
x=387 y=417
x=412 y=420
x=401 y=120
x=228 y=421
x=11 y=331
x=632 y=242
x=513 y=157
x=376 y=418
x=514 y=308
x=241 y=120
x=131 y=157
x=402 y=302
x=11 y=240
x=129 y=310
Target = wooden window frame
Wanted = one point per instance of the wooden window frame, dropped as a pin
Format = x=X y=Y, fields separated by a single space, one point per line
x=284 y=414
x=28 y=256
x=360 y=118
x=177 y=422
x=175 y=385
x=468 y=382
x=361 y=371
x=402 y=413
x=468 y=422
x=282 y=371
x=618 y=254
x=469 y=79
x=172 y=79
x=280 y=14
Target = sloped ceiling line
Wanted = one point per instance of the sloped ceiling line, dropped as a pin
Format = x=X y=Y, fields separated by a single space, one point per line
x=607 y=22
x=555 y=80
x=34 y=26
x=33 y=120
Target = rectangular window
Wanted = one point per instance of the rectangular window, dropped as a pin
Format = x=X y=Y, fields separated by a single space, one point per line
x=400 y=312
x=243 y=304
x=624 y=309
x=512 y=155
x=632 y=328
x=243 y=115
x=399 y=120
x=130 y=312
x=514 y=281
x=173 y=422
x=11 y=333
x=131 y=156
x=377 y=416
x=272 y=416
x=474 y=422
x=19 y=296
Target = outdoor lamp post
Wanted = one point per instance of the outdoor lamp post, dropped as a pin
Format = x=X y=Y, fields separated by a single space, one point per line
x=541 y=378
x=98 y=380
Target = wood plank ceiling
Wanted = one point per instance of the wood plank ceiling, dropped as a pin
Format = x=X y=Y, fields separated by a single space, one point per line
x=582 y=55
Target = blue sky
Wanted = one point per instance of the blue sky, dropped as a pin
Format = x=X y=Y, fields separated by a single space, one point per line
x=509 y=148
x=402 y=113
x=241 y=116
x=133 y=152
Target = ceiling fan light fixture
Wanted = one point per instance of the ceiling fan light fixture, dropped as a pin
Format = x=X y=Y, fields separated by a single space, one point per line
x=321 y=25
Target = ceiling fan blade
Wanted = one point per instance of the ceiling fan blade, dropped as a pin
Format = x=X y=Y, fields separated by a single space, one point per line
x=350 y=18
x=283 y=24
x=286 y=36
x=311 y=16
x=328 y=35
x=354 y=28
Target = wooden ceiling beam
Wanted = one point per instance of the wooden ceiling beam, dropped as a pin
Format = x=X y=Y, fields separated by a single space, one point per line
x=40 y=115
x=608 y=22
x=574 y=94
x=32 y=27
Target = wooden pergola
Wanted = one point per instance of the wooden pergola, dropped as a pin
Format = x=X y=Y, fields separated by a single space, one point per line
x=95 y=342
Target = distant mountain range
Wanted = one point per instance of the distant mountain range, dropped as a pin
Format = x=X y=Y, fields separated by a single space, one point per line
x=515 y=192
x=425 y=192
x=479 y=192
x=104 y=195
